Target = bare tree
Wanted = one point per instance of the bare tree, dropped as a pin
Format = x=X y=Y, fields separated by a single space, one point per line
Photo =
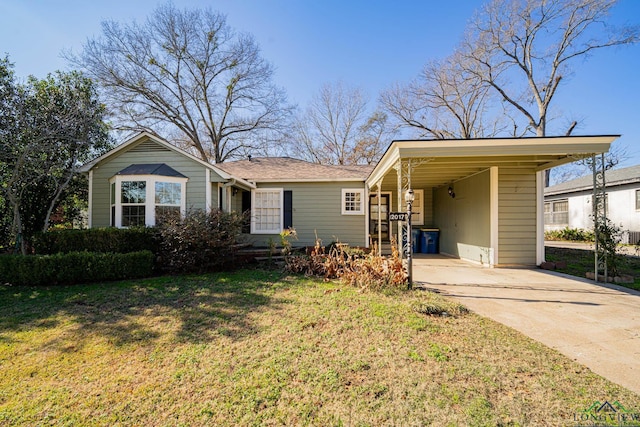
x=524 y=49
x=444 y=101
x=373 y=137
x=335 y=128
x=186 y=71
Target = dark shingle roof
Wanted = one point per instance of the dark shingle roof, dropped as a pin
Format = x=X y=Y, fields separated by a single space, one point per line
x=287 y=168
x=612 y=178
x=161 y=169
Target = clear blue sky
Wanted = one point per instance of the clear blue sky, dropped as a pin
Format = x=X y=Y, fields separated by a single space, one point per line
x=366 y=43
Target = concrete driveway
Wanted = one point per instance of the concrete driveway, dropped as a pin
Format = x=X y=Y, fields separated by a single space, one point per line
x=596 y=325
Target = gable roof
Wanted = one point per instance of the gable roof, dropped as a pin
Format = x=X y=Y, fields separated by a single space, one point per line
x=134 y=141
x=280 y=169
x=612 y=178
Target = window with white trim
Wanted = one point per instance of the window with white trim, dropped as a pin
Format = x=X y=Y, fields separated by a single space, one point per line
x=353 y=201
x=638 y=200
x=113 y=204
x=266 y=210
x=168 y=199
x=556 y=212
x=417 y=207
x=142 y=200
x=133 y=196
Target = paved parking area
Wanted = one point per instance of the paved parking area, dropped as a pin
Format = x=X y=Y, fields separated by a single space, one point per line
x=596 y=325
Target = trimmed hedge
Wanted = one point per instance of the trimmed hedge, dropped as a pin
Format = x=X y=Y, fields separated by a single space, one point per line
x=74 y=267
x=118 y=240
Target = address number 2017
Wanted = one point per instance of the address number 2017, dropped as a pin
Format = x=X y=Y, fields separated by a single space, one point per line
x=397 y=216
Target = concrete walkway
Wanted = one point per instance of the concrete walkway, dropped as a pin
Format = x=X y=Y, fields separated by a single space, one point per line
x=596 y=325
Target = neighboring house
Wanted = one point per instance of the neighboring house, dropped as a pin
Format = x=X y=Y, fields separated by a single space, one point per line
x=485 y=195
x=569 y=205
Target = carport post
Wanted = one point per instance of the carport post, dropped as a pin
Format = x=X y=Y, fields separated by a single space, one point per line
x=599 y=213
x=409 y=197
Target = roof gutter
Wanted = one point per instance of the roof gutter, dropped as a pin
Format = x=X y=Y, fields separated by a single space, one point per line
x=241 y=183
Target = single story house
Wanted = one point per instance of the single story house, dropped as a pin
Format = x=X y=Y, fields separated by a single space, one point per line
x=485 y=196
x=570 y=204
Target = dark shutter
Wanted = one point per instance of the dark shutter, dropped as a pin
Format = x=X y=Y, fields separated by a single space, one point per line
x=288 y=209
x=246 y=206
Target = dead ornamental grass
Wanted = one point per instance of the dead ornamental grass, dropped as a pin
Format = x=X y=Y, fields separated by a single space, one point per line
x=255 y=348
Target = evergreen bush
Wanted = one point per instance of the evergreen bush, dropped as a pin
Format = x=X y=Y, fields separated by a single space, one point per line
x=74 y=267
x=116 y=240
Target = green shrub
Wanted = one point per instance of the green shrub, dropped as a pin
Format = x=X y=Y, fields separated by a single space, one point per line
x=74 y=267
x=199 y=242
x=117 y=240
x=570 y=234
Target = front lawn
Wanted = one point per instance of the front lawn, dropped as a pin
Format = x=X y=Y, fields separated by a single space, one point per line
x=579 y=261
x=260 y=348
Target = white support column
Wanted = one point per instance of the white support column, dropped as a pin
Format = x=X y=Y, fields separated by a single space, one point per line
x=494 y=212
x=540 y=254
x=90 y=210
x=208 y=188
x=398 y=167
x=379 y=195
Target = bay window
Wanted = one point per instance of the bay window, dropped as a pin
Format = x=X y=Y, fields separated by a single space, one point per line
x=143 y=200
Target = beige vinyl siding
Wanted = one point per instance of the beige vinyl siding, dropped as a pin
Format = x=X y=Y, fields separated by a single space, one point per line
x=146 y=152
x=464 y=221
x=516 y=217
x=428 y=207
x=317 y=209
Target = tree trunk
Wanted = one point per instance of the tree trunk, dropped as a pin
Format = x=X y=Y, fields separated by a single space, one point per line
x=17 y=223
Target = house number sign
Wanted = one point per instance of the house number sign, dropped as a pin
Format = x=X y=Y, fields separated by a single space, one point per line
x=397 y=216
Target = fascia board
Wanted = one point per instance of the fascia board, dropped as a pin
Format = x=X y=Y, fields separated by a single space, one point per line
x=88 y=166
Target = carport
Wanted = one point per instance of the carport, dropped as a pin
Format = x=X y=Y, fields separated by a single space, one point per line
x=485 y=196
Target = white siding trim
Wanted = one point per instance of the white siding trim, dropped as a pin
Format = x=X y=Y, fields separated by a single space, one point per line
x=207 y=187
x=494 y=209
x=90 y=210
x=366 y=217
x=539 y=217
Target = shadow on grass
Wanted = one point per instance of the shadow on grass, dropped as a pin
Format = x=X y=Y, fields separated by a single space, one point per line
x=194 y=309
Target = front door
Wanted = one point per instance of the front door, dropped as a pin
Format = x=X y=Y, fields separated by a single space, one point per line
x=379 y=216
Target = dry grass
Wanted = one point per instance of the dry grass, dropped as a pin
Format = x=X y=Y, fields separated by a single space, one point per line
x=256 y=348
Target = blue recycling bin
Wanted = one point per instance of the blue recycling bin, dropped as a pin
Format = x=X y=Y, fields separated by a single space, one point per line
x=415 y=240
x=430 y=240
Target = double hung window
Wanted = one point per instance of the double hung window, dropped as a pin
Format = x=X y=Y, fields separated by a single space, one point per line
x=267 y=211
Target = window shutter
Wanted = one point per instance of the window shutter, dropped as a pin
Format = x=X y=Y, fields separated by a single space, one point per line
x=288 y=209
x=246 y=206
